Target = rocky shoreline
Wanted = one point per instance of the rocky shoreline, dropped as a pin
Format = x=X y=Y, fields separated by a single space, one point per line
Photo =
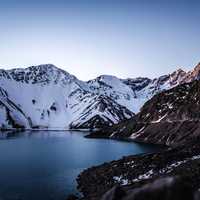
x=133 y=172
x=170 y=118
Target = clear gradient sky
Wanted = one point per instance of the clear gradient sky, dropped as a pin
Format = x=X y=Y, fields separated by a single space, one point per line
x=89 y=38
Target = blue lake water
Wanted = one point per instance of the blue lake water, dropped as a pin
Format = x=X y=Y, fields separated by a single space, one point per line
x=43 y=165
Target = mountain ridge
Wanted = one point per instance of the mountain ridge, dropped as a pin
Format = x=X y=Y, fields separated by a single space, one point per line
x=170 y=118
x=53 y=98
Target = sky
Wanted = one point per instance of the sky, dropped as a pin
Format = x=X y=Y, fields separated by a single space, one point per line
x=88 y=38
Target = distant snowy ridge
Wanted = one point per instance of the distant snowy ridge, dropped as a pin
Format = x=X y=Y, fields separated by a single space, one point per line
x=47 y=97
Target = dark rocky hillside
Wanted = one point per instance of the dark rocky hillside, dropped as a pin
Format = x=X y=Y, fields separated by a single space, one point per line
x=170 y=117
x=168 y=188
x=178 y=104
x=132 y=174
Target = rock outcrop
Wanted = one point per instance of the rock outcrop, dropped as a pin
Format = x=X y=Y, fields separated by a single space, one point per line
x=142 y=176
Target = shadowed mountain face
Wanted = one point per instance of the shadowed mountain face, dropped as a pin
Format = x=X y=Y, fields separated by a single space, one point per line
x=45 y=96
x=170 y=117
x=178 y=104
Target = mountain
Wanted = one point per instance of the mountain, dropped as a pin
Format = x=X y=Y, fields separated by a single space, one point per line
x=170 y=117
x=101 y=111
x=133 y=93
x=11 y=114
x=192 y=75
x=45 y=96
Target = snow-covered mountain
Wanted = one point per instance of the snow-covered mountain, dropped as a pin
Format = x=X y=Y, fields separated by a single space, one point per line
x=170 y=118
x=133 y=93
x=45 y=96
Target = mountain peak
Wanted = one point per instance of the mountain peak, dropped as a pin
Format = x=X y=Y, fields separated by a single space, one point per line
x=48 y=65
x=41 y=74
x=46 y=68
x=180 y=70
x=197 y=68
x=193 y=74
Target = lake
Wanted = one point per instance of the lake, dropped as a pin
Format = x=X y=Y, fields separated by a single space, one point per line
x=43 y=165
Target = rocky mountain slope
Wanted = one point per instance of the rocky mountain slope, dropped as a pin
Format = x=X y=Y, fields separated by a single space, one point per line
x=170 y=117
x=45 y=96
